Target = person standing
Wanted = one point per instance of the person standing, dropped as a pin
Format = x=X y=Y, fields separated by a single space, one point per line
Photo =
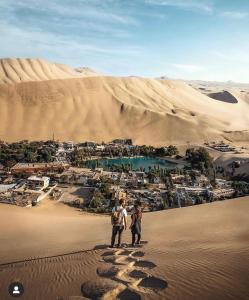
x=135 y=227
x=119 y=222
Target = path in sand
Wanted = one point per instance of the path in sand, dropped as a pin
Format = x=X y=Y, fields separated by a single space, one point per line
x=125 y=276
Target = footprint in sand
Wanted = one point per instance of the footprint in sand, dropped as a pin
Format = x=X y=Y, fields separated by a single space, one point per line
x=138 y=274
x=153 y=283
x=109 y=258
x=108 y=253
x=108 y=271
x=145 y=264
x=138 y=254
x=101 y=289
x=128 y=294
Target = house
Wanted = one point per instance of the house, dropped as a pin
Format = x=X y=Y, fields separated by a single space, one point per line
x=37 y=183
x=100 y=147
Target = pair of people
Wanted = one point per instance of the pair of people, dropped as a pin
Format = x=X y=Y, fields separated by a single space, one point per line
x=119 y=223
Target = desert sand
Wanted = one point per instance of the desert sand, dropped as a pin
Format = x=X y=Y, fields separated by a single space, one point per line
x=196 y=252
x=40 y=99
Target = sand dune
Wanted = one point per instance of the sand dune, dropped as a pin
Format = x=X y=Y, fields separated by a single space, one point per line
x=15 y=70
x=192 y=253
x=102 y=108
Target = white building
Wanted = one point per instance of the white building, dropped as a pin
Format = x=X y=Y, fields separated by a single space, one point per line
x=38 y=183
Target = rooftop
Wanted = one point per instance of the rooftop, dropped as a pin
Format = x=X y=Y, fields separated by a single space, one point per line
x=36 y=178
x=37 y=165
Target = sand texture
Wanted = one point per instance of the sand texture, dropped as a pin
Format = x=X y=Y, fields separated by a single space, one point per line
x=190 y=253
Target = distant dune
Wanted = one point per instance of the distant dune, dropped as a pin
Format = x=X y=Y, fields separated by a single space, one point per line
x=192 y=253
x=39 y=99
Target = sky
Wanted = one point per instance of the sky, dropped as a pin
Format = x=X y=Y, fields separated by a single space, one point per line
x=187 y=39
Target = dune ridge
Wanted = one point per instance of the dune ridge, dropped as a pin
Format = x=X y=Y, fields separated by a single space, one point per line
x=15 y=70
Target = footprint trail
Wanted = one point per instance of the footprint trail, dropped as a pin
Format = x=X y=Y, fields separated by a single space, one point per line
x=126 y=276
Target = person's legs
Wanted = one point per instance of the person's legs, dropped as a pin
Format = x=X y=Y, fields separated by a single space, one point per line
x=138 y=238
x=114 y=233
x=133 y=238
x=120 y=231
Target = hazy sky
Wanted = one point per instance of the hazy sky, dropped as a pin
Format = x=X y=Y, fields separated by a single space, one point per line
x=190 y=39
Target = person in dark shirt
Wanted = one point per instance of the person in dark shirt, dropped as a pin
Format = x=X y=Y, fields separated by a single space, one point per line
x=135 y=226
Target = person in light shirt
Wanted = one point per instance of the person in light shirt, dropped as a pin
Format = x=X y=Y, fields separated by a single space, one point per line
x=119 y=222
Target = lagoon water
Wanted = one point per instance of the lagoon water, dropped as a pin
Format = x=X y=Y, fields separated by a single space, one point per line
x=136 y=162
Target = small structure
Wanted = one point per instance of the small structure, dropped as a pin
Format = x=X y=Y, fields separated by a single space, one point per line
x=100 y=147
x=122 y=141
x=37 y=183
x=68 y=146
x=222 y=147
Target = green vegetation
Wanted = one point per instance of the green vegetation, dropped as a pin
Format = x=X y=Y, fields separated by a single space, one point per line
x=241 y=188
x=97 y=200
x=29 y=152
x=166 y=151
x=105 y=189
x=199 y=159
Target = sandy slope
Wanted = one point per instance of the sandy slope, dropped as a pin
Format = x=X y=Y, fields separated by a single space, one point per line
x=192 y=253
x=103 y=108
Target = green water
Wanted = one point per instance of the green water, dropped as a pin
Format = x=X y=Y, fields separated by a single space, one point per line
x=136 y=163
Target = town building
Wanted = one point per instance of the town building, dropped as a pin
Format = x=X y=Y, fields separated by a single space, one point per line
x=34 y=168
